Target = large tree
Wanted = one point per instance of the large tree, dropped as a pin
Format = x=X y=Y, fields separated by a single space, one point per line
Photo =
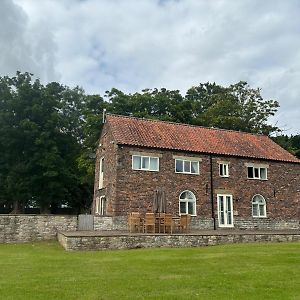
x=41 y=138
x=237 y=107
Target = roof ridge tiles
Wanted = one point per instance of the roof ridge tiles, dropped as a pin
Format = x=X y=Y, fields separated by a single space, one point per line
x=154 y=133
x=186 y=124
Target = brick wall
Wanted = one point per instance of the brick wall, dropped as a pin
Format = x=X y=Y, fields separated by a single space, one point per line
x=108 y=150
x=134 y=190
x=26 y=228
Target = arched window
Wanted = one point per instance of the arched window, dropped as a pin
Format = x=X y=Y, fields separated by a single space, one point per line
x=187 y=203
x=258 y=206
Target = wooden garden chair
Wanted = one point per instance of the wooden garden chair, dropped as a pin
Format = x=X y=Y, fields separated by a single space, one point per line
x=149 y=223
x=168 y=224
x=135 y=222
x=184 y=224
x=161 y=222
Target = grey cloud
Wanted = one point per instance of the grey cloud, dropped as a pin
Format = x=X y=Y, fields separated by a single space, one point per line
x=24 y=46
x=135 y=44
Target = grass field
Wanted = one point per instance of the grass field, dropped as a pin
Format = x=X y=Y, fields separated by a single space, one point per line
x=247 y=271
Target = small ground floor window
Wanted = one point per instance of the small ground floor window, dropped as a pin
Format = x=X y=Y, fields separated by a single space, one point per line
x=187 y=203
x=101 y=206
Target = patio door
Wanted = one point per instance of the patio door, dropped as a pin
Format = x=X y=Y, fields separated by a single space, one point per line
x=225 y=210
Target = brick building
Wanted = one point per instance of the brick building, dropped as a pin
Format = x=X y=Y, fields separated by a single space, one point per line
x=222 y=178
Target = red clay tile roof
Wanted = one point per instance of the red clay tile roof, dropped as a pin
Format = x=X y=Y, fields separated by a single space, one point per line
x=175 y=136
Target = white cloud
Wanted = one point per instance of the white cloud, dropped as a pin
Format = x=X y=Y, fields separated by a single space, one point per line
x=135 y=44
x=24 y=46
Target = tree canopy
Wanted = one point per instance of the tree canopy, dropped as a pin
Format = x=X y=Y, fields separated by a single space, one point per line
x=49 y=133
x=42 y=138
x=237 y=107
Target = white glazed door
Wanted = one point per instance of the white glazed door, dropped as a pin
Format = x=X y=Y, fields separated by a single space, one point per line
x=225 y=210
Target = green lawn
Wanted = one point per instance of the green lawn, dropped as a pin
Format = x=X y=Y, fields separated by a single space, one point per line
x=247 y=271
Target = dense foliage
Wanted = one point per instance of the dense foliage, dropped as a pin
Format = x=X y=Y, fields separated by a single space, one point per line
x=44 y=138
x=48 y=133
x=290 y=143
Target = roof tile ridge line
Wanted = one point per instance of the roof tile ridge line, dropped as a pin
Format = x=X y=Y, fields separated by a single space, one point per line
x=188 y=125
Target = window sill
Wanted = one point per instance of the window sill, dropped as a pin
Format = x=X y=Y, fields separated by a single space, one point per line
x=145 y=170
x=224 y=176
x=189 y=214
x=187 y=173
x=226 y=226
x=258 y=179
x=258 y=217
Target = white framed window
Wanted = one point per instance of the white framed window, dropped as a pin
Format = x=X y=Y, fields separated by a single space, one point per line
x=101 y=172
x=259 y=209
x=256 y=172
x=187 y=203
x=100 y=206
x=224 y=169
x=186 y=166
x=145 y=163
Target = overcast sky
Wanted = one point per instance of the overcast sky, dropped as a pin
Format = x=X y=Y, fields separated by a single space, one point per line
x=136 y=44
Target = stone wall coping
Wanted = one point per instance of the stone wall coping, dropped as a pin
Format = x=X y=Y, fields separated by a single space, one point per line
x=83 y=234
x=211 y=238
x=38 y=215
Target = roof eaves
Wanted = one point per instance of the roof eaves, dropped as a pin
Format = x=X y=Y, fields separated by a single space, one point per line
x=211 y=153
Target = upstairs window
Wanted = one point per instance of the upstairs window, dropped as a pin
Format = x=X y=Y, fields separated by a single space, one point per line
x=259 y=206
x=257 y=172
x=145 y=163
x=224 y=170
x=186 y=166
x=101 y=172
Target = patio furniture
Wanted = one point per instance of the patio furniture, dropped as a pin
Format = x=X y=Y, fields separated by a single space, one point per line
x=149 y=223
x=184 y=224
x=135 y=222
x=168 y=223
x=160 y=222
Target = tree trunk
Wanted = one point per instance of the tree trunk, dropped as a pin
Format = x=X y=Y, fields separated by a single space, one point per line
x=45 y=210
x=17 y=208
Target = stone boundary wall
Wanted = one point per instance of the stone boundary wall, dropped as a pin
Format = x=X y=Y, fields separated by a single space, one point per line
x=265 y=224
x=121 y=223
x=27 y=228
x=110 y=223
x=125 y=241
x=201 y=223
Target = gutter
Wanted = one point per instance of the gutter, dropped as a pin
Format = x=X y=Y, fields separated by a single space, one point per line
x=212 y=192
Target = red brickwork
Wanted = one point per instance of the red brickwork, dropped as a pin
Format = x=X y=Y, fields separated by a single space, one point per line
x=129 y=190
x=132 y=190
x=107 y=149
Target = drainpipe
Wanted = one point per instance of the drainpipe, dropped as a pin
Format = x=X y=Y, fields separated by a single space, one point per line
x=212 y=192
